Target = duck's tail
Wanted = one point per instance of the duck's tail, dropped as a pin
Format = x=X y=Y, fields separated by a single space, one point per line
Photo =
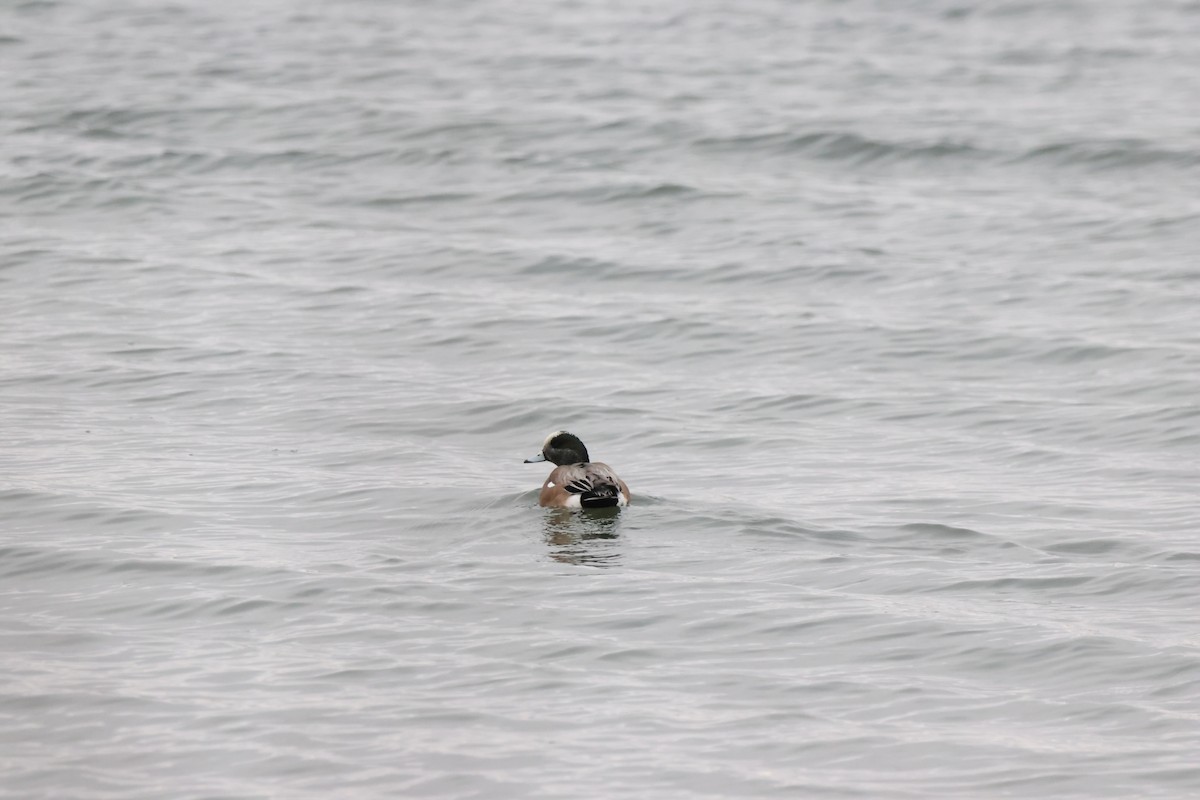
x=603 y=496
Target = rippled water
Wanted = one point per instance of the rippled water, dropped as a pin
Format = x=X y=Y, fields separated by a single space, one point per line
x=887 y=313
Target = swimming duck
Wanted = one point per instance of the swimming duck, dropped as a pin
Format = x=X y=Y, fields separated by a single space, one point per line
x=577 y=482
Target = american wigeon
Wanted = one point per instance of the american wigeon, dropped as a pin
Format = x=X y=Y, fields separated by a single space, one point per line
x=577 y=482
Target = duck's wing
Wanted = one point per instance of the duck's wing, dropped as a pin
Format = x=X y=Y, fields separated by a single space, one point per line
x=598 y=474
x=583 y=485
x=573 y=478
x=602 y=475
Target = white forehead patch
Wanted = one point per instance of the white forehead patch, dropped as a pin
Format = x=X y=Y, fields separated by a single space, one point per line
x=550 y=438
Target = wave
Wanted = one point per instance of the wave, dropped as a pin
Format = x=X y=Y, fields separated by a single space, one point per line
x=846 y=146
x=862 y=149
x=1108 y=154
x=618 y=191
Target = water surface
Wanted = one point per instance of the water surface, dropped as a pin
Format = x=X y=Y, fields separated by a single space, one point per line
x=886 y=312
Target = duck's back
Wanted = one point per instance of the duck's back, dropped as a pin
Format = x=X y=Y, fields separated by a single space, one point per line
x=587 y=485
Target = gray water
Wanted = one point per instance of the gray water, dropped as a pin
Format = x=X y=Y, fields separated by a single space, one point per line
x=888 y=313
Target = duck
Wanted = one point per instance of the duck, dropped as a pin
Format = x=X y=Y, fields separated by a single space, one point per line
x=577 y=481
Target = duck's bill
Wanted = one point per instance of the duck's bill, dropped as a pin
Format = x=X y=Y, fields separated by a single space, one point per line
x=535 y=459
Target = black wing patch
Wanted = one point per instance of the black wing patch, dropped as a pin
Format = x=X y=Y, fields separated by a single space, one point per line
x=579 y=485
x=605 y=495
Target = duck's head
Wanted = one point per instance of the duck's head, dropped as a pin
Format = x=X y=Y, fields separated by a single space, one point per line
x=561 y=448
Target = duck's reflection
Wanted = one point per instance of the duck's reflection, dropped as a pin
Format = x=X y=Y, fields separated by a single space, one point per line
x=588 y=538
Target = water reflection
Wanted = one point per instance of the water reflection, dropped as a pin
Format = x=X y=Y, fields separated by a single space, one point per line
x=590 y=538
